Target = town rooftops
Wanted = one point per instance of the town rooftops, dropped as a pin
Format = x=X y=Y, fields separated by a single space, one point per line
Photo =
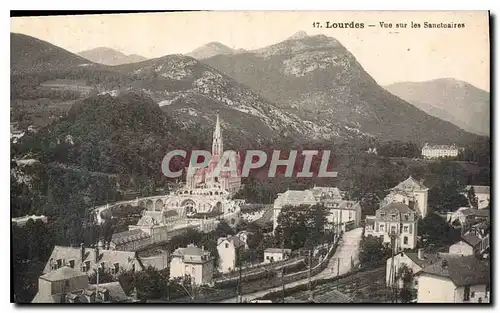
x=396 y=206
x=296 y=197
x=192 y=254
x=478 y=189
x=62 y=273
x=410 y=184
x=341 y=204
x=67 y=254
x=427 y=259
x=327 y=192
x=277 y=250
x=129 y=236
x=461 y=270
x=474 y=212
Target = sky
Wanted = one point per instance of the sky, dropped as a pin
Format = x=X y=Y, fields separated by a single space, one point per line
x=389 y=55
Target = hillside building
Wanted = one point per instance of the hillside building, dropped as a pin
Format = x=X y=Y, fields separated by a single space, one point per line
x=439 y=151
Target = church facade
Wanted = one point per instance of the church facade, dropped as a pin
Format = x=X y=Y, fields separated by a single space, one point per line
x=225 y=180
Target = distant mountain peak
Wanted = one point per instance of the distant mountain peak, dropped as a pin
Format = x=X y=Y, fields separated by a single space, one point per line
x=110 y=56
x=299 y=35
x=209 y=50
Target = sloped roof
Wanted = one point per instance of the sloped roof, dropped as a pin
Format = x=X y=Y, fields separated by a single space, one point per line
x=461 y=270
x=479 y=189
x=106 y=256
x=410 y=184
x=237 y=242
x=400 y=207
x=297 y=196
x=427 y=260
x=62 y=273
x=277 y=250
x=129 y=236
x=115 y=291
x=189 y=250
x=471 y=239
x=342 y=204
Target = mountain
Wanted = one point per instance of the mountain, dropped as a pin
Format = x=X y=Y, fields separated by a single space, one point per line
x=110 y=56
x=186 y=89
x=211 y=49
x=319 y=80
x=31 y=55
x=193 y=92
x=451 y=100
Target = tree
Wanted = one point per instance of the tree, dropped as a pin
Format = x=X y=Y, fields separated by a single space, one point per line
x=151 y=284
x=105 y=276
x=372 y=251
x=436 y=232
x=471 y=196
x=405 y=276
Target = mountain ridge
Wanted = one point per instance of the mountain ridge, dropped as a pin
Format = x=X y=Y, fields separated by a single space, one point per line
x=449 y=99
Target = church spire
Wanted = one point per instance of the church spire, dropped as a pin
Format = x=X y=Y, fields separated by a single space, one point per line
x=217 y=146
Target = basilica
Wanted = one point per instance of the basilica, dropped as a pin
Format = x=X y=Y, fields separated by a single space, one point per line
x=226 y=180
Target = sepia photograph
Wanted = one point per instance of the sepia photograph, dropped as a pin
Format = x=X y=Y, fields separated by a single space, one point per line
x=337 y=157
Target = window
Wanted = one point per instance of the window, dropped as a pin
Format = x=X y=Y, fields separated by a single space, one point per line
x=86 y=266
x=227 y=245
x=405 y=229
x=382 y=227
x=411 y=227
x=405 y=240
x=59 y=263
x=467 y=293
x=472 y=294
x=133 y=267
x=382 y=214
x=72 y=263
x=393 y=215
x=406 y=217
x=116 y=268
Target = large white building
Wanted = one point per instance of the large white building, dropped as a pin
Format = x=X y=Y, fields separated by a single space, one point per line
x=342 y=213
x=194 y=262
x=455 y=279
x=439 y=151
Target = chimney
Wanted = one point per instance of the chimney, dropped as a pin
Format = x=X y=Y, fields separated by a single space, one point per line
x=420 y=254
x=82 y=249
x=96 y=253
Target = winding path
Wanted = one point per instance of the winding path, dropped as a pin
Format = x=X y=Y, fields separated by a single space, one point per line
x=348 y=249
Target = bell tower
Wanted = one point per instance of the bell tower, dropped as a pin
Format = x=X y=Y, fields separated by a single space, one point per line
x=217 y=145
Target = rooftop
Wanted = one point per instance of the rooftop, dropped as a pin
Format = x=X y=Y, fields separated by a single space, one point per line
x=62 y=273
x=461 y=270
x=410 y=184
x=107 y=256
x=297 y=197
x=428 y=259
x=396 y=206
x=479 y=189
x=471 y=239
x=277 y=250
x=129 y=236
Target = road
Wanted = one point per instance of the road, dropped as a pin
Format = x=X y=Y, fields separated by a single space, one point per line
x=347 y=250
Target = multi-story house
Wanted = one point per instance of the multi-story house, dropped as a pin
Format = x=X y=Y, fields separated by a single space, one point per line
x=455 y=279
x=395 y=220
x=344 y=214
x=194 y=262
